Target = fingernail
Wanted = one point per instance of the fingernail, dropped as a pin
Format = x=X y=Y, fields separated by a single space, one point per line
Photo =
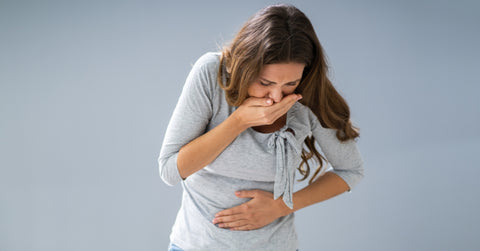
x=269 y=101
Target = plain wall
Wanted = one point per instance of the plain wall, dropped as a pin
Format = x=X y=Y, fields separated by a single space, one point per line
x=87 y=89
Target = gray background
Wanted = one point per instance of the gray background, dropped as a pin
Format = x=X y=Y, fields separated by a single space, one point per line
x=87 y=89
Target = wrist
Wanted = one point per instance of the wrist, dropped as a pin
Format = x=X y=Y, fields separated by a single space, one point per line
x=284 y=210
x=237 y=122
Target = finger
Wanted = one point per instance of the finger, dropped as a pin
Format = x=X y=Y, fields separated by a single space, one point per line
x=234 y=224
x=290 y=99
x=287 y=102
x=229 y=218
x=254 y=101
x=284 y=105
x=230 y=211
x=246 y=193
x=243 y=228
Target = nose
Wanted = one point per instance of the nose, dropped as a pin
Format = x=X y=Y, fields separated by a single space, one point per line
x=276 y=94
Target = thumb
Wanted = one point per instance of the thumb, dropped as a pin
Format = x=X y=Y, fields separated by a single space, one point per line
x=246 y=193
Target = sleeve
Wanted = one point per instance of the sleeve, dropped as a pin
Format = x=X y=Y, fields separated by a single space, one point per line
x=344 y=157
x=189 y=119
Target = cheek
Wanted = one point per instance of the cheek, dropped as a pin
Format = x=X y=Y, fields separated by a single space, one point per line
x=256 y=91
x=289 y=90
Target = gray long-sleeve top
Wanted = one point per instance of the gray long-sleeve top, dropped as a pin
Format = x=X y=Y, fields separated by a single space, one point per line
x=254 y=160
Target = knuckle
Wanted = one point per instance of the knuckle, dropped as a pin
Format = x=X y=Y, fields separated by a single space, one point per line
x=266 y=121
x=269 y=120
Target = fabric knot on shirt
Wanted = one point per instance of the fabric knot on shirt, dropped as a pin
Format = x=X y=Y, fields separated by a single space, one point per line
x=284 y=145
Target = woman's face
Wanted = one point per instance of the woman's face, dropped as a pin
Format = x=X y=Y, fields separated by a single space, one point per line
x=276 y=81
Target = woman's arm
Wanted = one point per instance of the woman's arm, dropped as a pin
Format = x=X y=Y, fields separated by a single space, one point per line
x=204 y=149
x=325 y=187
x=186 y=147
x=262 y=209
x=190 y=117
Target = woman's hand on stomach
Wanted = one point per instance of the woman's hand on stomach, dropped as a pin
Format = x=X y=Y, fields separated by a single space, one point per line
x=260 y=211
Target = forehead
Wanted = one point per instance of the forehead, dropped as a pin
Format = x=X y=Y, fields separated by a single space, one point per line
x=282 y=71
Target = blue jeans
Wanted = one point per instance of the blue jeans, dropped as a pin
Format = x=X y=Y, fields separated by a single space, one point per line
x=173 y=247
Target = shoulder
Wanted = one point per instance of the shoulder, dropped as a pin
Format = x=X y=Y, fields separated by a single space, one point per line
x=206 y=68
x=304 y=114
x=299 y=118
x=209 y=61
x=306 y=119
x=204 y=72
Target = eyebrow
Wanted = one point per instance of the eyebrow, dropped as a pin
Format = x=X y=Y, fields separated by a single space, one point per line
x=271 y=82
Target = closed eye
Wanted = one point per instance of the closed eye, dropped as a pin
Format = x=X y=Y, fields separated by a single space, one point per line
x=265 y=82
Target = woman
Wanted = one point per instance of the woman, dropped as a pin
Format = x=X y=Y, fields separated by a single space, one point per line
x=247 y=118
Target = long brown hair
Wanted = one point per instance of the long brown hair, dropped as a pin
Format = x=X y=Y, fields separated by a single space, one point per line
x=281 y=34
